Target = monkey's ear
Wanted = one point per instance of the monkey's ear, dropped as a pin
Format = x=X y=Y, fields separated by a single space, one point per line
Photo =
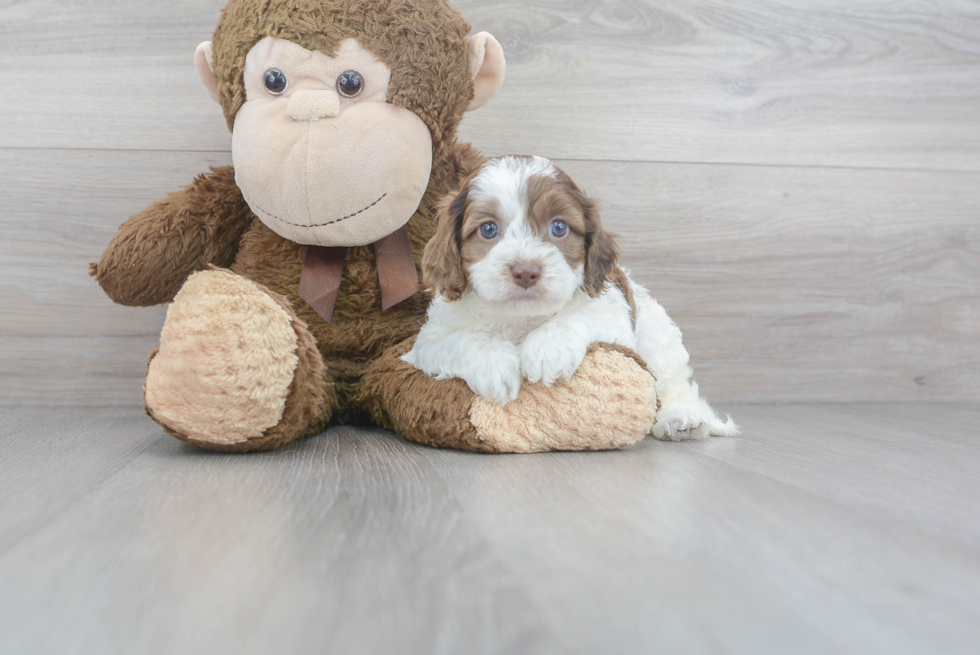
x=442 y=261
x=204 y=60
x=487 y=66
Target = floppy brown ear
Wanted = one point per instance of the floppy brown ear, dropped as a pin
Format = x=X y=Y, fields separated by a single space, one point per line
x=442 y=261
x=601 y=249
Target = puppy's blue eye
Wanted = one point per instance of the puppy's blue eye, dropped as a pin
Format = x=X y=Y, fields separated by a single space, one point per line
x=558 y=228
x=275 y=81
x=489 y=230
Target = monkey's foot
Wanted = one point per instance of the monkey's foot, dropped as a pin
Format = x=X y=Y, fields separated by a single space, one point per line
x=609 y=403
x=236 y=369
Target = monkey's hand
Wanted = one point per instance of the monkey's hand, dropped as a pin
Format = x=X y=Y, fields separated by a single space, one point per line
x=157 y=249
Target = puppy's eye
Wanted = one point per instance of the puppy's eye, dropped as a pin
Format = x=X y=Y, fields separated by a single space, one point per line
x=558 y=228
x=275 y=81
x=350 y=84
x=489 y=230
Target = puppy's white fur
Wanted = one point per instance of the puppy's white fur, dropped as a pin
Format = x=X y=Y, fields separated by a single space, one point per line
x=498 y=334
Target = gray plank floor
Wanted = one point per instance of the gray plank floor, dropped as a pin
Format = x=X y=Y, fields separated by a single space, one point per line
x=824 y=529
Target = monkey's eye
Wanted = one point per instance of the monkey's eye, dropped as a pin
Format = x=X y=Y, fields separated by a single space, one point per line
x=559 y=228
x=275 y=81
x=489 y=230
x=350 y=84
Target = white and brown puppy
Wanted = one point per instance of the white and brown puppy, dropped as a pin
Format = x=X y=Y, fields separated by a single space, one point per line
x=526 y=280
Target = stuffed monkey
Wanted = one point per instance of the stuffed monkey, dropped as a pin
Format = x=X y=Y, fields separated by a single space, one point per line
x=293 y=276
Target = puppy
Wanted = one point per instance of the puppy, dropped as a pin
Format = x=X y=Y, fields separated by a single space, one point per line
x=525 y=280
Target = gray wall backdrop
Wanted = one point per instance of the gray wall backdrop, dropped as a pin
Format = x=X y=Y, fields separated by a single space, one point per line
x=798 y=182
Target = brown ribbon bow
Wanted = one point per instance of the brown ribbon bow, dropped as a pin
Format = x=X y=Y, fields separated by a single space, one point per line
x=319 y=284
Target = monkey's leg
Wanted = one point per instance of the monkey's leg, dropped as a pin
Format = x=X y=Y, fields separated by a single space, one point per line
x=236 y=369
x=610 y=402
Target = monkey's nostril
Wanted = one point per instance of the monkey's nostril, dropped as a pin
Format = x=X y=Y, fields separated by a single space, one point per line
x=525 y=275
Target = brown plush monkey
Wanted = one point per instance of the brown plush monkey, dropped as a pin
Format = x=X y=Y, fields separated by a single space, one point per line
x=293 y=275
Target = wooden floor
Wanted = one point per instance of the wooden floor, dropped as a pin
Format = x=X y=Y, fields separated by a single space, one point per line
x=825 y=529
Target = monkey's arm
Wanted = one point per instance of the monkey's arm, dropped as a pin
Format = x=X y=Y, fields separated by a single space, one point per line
x=157 y=249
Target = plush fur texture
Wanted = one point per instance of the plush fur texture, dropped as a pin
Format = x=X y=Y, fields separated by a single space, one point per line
x=611 y=403
x=319 y=168
x=210 y=223
x=309 y=399
x=157 y=249
x=527 y=282
x=400 y=397
x=421 y=41
x=360 y=332
x=347 y=371
x=227 y=357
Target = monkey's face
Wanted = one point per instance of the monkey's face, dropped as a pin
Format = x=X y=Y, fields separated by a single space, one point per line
x=320 y=156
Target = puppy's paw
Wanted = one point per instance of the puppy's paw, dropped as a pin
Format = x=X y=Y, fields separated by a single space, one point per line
x=547 y=357
x=498 y=379
x=682 y=423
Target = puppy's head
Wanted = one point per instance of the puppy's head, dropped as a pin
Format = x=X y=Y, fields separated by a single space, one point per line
x=519 y=232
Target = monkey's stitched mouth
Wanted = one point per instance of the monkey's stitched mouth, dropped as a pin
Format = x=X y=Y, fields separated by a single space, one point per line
x=336 y=220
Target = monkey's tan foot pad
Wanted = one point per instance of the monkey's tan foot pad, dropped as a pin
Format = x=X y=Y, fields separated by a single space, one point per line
x=609 y=403
x=236 y=370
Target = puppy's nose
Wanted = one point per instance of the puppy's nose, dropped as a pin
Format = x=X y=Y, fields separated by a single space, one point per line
x=308 y=105
x=525 y=275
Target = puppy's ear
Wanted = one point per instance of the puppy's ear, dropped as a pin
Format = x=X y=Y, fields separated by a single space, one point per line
x=442 y=261
x=601 y=249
